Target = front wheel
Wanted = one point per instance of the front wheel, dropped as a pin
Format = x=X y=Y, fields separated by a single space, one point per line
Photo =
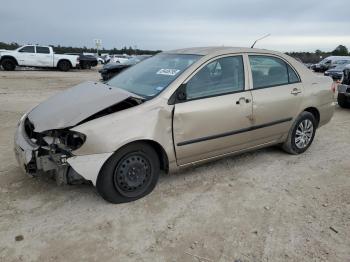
x=129 y=174
x=8 y=64
x=301 y=134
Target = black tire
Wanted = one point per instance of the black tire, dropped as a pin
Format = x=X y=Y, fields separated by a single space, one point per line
x=86 y=65
x=129 y=174
x=63 y=65
x=8 y=64
x=342 y=101
x=290 y=145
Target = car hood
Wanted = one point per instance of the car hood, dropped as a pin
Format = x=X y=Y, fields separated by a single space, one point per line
x=114 y=65
x=340 y=69
x=74 y=105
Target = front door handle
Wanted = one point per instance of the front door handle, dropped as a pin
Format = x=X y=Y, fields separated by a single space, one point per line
x=247 y=100
x=295 y=91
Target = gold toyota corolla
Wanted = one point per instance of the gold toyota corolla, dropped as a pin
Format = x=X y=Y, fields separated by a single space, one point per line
x=175 y=109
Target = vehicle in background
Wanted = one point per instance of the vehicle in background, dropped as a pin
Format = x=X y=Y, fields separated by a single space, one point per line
x=85 y=61
x=37 y=56
x=308 y=65
x=106 y=58
x=329 y=62
x=336 y=72
x=119 y=58
x=344 y=89
x=176 y=109
x=111 y=69
x=100 y=60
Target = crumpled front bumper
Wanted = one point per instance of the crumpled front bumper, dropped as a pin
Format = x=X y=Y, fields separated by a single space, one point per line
x=66 y=169
x=24 y=150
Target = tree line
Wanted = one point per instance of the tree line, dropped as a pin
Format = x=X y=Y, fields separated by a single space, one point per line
x=306 y=57
x=70 y=49
x=315 y=57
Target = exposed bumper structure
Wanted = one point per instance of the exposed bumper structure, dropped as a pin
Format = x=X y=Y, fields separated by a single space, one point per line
x=66 y=169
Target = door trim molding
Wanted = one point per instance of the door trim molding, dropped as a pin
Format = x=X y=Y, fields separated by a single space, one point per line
x=234 y=132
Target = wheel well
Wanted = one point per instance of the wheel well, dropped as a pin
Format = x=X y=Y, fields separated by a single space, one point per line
x=9 y=57
x=315 y=112
x=59 y=61
x=162 y=155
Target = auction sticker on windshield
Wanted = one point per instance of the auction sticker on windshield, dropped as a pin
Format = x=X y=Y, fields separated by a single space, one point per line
x=168 y=72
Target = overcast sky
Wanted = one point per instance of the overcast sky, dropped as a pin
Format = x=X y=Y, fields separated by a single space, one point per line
x=298 y=25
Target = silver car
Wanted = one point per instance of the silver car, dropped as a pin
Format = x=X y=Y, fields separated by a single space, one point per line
x=176 y=109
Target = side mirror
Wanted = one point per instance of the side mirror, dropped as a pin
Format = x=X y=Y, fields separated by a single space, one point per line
x=178 y=96
x=181 y=95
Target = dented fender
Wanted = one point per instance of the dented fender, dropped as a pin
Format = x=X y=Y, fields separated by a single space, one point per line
x=88 y=166
x=151 y=120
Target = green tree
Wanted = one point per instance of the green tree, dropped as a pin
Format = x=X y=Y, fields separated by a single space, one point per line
x=340 y=50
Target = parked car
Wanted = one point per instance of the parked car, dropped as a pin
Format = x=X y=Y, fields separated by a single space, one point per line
x=344 y=89
x=111 y=69
x=100 y=60
x=106 y=58
x=330 y=62
x=336 y=72
x=86 y=61
x=37 y=56
x=175 y=109
x=119 y=58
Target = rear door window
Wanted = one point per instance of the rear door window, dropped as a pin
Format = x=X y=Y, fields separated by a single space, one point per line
x=42 y=50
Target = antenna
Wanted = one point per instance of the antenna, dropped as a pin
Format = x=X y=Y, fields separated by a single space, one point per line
x=259 y=40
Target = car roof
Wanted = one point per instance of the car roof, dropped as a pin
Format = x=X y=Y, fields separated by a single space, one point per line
x=219 y=49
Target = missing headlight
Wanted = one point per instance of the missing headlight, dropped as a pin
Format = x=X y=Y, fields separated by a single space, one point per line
x=71 y=139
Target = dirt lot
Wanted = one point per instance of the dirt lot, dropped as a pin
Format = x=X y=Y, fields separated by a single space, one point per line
x=259 y=206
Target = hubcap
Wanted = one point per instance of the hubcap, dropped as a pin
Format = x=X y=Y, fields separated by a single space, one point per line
x=132 y=175
x=304 y=134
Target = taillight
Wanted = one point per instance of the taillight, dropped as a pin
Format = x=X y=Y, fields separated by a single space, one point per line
x=334 y=86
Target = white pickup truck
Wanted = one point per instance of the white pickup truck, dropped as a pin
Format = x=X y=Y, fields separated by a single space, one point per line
x=37 y=56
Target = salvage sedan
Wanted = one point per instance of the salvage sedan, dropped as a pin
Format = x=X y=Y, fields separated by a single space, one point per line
x=176 y=109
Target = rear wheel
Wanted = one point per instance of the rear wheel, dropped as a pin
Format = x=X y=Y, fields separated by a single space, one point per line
x=63 y=66
x=131 y=173
x=301 y=134
x=8 y=64
x=342 y=101
x=86 y=65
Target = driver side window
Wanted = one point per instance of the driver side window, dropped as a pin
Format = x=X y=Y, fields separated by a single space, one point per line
x=27 y=49
x=222 y=76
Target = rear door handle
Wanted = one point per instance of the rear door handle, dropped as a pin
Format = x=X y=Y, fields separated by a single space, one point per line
x=295 y=91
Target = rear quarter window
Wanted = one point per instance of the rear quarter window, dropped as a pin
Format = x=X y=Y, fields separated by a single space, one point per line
x=42 y=50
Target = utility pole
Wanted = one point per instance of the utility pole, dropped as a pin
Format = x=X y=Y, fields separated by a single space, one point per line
x=98 y=44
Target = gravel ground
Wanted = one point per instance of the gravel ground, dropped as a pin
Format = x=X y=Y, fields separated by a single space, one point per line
x=259 y=206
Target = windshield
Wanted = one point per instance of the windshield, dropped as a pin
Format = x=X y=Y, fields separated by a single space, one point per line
x=324 y=61
x=151 y=76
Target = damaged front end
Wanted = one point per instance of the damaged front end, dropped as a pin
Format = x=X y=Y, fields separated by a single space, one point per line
x=44 y=141
x=47 y=152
